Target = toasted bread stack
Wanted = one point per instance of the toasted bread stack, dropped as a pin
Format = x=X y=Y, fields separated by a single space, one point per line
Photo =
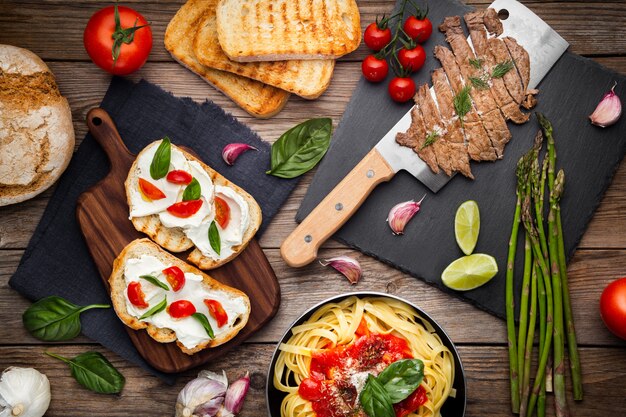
x=257 y=52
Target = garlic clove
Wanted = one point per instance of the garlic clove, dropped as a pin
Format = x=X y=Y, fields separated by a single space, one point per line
x=608 y=110
x=401 y=213
x=24 y=392
x=236 y=394
x=232 y=151
x=348 y=266
x=209 y=408
x=197 y=393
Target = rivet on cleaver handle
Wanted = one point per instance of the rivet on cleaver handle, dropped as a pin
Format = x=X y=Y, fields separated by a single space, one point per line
x=301 y=246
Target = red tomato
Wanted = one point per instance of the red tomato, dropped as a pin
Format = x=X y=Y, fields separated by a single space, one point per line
x=310 y=389
x=222 y=212
x=149 y=190
x=412 y=59
x=131 y=40
x=185 y=209
x=136 y=295
x=418 y=29
x=217 y=312
x=401 y=89
x=374 y=69
x=375 y=37
x=411 y=403
x=613 y=307
x=175 y=276
x=181 y=309
x=178 y=176
x=362 y=330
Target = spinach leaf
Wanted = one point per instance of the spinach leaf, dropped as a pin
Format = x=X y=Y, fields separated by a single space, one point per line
x=375 y=399
x=214 y=238
x=205 y=323
x=192 y=191
x=161 y=159
x=401 y=378
x=154 y=281
x=154 y=310
x=54 y=319
x=300 y=148
x=94 y=372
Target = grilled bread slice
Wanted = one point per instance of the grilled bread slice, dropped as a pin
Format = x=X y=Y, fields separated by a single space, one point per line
x=264 y=30
x=258 y=99
x=174 y=238
x=306 y=78
x=135 y=250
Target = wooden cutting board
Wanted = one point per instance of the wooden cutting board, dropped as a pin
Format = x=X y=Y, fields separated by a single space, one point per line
x=102 y=213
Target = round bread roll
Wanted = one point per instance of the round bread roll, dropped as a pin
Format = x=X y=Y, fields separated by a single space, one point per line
x=36 y=131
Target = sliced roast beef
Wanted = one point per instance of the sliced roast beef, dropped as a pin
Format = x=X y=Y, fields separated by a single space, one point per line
x=492 y=22
x=512 y=79
x=414 y=138
x=522 y=63
x=445 y=102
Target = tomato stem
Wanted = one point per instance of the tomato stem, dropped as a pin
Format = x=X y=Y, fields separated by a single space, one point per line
x=122 y=35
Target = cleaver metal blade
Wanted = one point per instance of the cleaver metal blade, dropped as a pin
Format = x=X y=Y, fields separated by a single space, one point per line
x=544 y=48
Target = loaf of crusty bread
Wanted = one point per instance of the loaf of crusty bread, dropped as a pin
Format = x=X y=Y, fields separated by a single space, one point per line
x=174 y=239
x=263 y=30
x=306 y=78
x=256 y=98
x=117 y=283
x=36 y=131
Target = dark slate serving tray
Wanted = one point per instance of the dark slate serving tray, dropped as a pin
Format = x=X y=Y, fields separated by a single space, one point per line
x=588 y=154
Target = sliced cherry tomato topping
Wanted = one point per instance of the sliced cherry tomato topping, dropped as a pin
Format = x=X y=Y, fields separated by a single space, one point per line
x=150 y=190
x=175 y=276
x=310 y=389
x=362 y=330
x=136 y=295
x=185 y=209
x=178 y=176
x=222 y=212
x=181 y=309
x=217 y=312
x=411 y=403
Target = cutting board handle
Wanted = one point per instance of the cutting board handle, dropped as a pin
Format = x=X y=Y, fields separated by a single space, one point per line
x=301 y=246
x=103 y=129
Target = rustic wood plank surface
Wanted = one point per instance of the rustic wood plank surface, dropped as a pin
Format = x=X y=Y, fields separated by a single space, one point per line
x=53 y=29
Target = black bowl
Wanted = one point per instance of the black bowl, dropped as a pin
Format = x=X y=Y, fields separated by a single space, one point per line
x=453 y=407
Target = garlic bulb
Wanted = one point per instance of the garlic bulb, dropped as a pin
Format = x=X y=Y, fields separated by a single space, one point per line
x=202 y=396
x=24 y=392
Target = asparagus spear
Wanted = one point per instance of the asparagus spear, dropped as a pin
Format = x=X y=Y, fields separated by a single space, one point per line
x=528 y=349
x=523 y=312
x=541 y=399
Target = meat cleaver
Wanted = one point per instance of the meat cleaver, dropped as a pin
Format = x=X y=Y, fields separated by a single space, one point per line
x=544 y=47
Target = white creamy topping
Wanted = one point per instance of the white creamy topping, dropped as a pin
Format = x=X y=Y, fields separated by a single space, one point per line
x=188 y=330
x=358 y=380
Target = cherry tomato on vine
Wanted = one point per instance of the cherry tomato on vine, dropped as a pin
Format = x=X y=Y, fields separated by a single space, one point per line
x=401 y=89
x=613 y=307
x=374 y=69
x=418 y=29
x=118 y=39
x=375 y=37
x=412 y=59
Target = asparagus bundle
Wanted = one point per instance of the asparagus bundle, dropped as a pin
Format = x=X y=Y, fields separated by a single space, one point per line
x=545 y=291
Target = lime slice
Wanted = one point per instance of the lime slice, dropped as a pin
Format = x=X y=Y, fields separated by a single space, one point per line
x=467 y=226
x=469 y=272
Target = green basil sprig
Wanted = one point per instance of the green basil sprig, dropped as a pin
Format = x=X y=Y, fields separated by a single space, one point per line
x=214 y=238
x=205 y=323
x=154 y=310
x=54 y=319
x=402 y=378
x=161 y=160
x=94 y=372
x=375 y=399
x=300 y=148
x=192 y=191
x=154 y=281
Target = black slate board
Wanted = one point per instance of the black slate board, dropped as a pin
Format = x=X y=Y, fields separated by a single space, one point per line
x=588 y=154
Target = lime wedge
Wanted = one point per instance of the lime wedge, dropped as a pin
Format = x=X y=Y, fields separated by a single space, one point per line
x=467 y=226
x=469 y=272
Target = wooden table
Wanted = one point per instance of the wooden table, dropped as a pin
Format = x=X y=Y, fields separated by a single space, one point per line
x=53 y=30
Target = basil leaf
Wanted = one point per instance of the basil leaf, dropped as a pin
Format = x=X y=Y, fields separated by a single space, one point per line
x=205 y=323
x=161 y=160
x=300 y=148
x=94 y=372
x=375 y=399
x=54 y=319
x=214 y=238
x=192 y=191
x=154 y=310
x=154 y=281
x=402 y=378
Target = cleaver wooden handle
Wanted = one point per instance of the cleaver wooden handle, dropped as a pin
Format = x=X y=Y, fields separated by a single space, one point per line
x=300 y=247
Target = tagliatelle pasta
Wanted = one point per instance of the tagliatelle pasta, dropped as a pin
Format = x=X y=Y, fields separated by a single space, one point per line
x=338 y=327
